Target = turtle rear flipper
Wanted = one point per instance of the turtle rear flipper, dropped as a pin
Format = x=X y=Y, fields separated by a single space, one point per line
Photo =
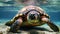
x=53 y=26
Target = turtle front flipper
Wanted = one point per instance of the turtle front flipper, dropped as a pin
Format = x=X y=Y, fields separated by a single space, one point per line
x=9 y=23
x=16 y=25
x=53 y=26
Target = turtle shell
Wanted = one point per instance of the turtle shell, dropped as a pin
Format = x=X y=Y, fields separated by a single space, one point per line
x=28 y=8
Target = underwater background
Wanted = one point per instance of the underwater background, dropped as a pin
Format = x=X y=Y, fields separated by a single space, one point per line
x=8 y=10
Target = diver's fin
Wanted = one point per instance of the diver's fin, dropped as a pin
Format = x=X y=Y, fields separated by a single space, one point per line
x=53 y=26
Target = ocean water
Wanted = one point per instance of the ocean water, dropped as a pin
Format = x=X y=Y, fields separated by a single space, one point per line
x=8 y=12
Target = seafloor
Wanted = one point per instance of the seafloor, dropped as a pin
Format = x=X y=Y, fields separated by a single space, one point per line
x=36 y=30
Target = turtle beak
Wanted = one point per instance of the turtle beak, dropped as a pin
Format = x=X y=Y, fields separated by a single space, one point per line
x=53 y=26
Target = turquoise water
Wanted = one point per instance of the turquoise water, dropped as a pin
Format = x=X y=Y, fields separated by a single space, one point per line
x=52 y=8
x=8 y=12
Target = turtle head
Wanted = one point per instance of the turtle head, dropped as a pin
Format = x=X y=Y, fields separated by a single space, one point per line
x=33 y=15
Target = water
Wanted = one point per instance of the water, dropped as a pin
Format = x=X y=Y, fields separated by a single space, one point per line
x=53 y=10
x=8 y=12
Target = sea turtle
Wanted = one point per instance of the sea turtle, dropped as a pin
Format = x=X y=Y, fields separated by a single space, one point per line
x=30 y=16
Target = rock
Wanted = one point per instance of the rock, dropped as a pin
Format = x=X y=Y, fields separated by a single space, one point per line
x=4 y=30
x=35 y=32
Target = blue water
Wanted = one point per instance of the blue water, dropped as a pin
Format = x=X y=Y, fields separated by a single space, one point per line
x=8 y=12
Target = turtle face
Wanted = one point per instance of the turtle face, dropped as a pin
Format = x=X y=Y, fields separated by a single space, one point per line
x=33 y=15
